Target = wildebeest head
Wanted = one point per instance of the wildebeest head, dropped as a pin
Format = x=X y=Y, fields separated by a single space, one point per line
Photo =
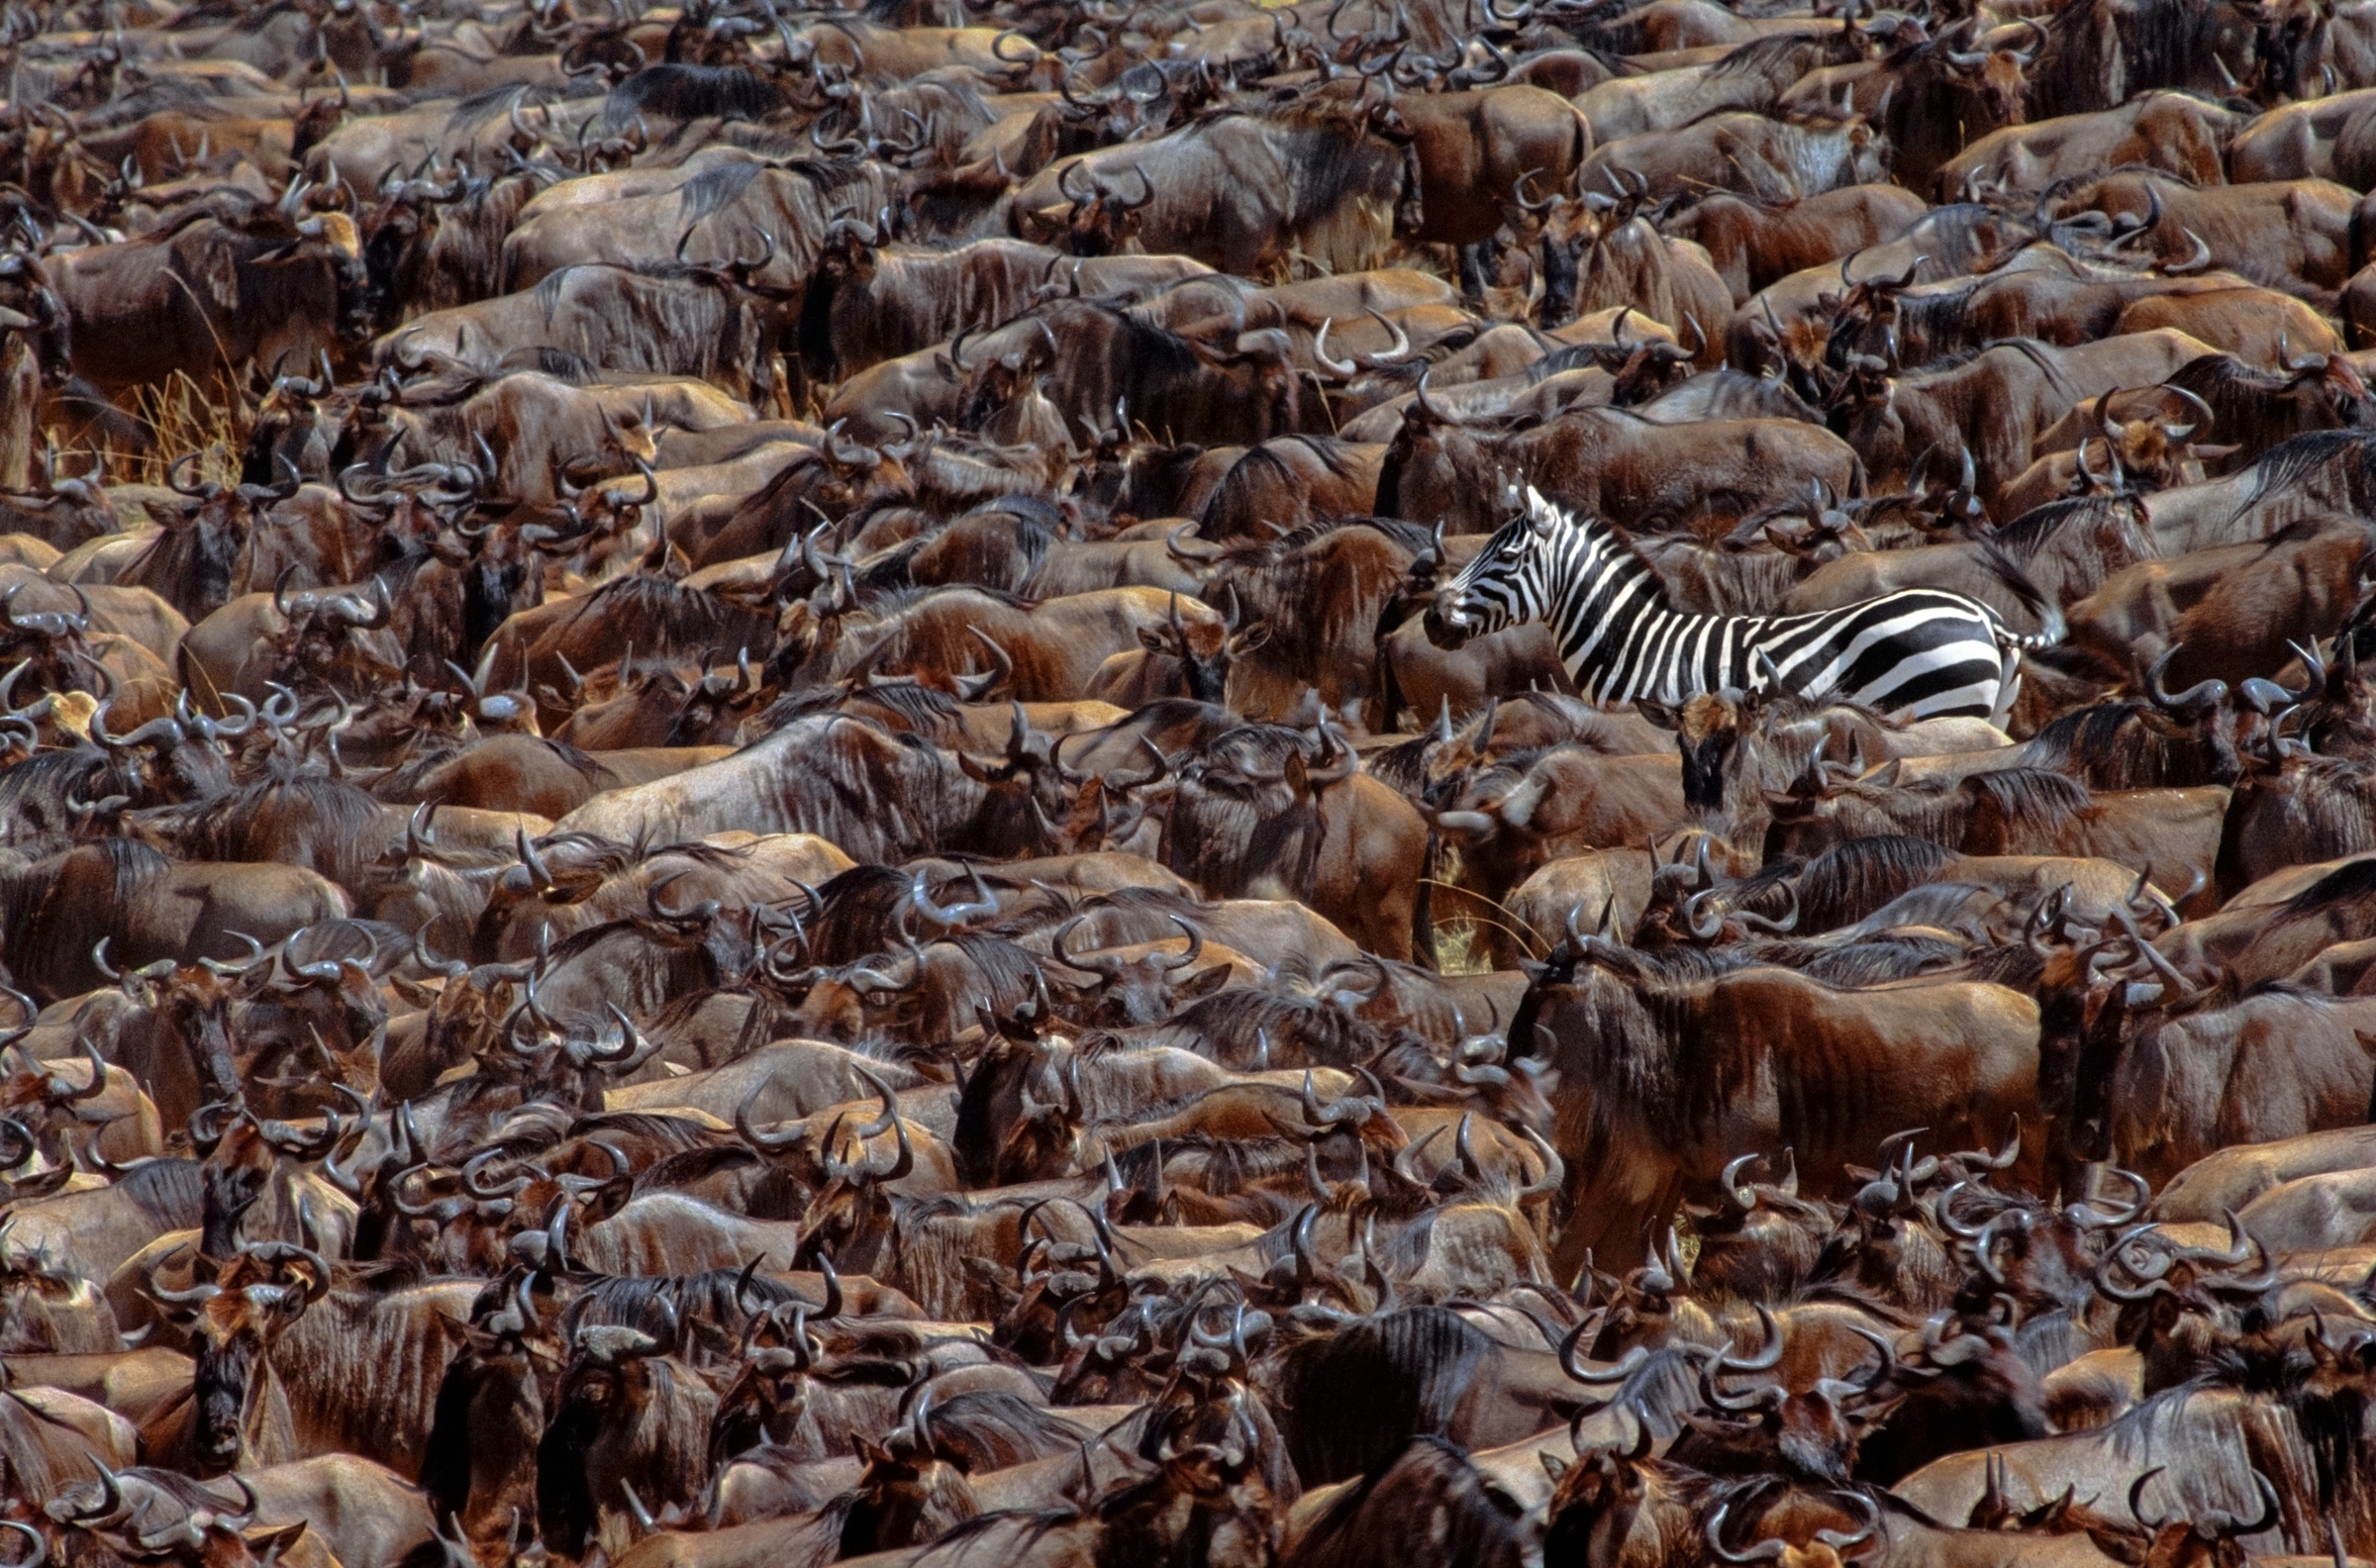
x=42 y=641
x=2333 y=712
x=1812 y=1432
x=2212 y=1537
x=1139 y=990
x=1018 y=1116
x=908 y=1495
x=1034 y=803
x=31 y=310
x=2149 y=450
x=329 y=238
x=319 y=636
x=2000 y=75
x=2289 y=36
x=232 y=1323
x=397 y=235
x=1762 y=1238
x=1596 y=1498
x=614 y=1380
x=768 y=1400
x=2043 y=1258
x=1095 y=219
x=478 y=1463
x=157 y=1518
x=1960 y=1387
x=1205 y=649
x=1829 y=1548
x=2152 y=739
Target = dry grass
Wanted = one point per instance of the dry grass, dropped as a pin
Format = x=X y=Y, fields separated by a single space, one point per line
x=185 y=417
x=1457 y=950
x=185 y=420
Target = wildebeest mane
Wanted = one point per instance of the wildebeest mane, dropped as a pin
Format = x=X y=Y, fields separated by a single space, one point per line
x=325 y=824
x=2353 y=883
x=167 y=1191
x=984 y=1429
x=57 y=910
x=714 y=188
x=1875 y=962
x=1325 y=150
x=690 y=92
x=671 y=618
x=856 y=911
x=710 y=1304
x=480 y=109
x=2039 y=798
x=1360 y=1393
x=2107 y=744
x=33 y=794
x=1426 y=1488
x=2026 y=535
x=2297 y=460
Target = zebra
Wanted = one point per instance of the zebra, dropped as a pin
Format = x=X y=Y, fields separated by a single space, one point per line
x=1915 y=654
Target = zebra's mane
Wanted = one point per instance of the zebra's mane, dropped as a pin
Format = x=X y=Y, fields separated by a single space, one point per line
x=1621 y=545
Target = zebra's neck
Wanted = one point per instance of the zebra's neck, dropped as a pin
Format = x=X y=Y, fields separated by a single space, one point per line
x=1619 y=636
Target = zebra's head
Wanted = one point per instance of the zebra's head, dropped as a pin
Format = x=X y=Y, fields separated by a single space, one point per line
x=1504 y=586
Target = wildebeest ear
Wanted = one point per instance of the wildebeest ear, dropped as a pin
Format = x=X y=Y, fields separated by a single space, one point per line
x=1204 y=982
x=1154 y=640
x=869 y=1454
x=975 y=769
x=1251 y=638
x=1657 y=713
x=266 y=1540
x=1554 y=1466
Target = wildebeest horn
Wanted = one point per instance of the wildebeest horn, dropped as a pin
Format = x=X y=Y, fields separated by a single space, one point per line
x=1105 y=965
x=39 y=1552
x=2191 y=702
x=2187 y=430
x=226 y=966
x=2136 y=1492
x=1572 y=1345
x=2197 y=259
x=956 y=913
x=1764 y=1551
x=1203 y=554
x=751 y=1134
x=2219 y=1523
x=850 y=457
x=1343 y=369
x=1196 y=945
x=204 y=1290
x=1400 y=351
x=1554 y=1171
x=539 y=873
x=2114 y=429
x=974 y=688
x=1432 y=411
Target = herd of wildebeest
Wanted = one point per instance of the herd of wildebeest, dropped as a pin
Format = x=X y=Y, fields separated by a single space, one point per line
x=785 y=785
